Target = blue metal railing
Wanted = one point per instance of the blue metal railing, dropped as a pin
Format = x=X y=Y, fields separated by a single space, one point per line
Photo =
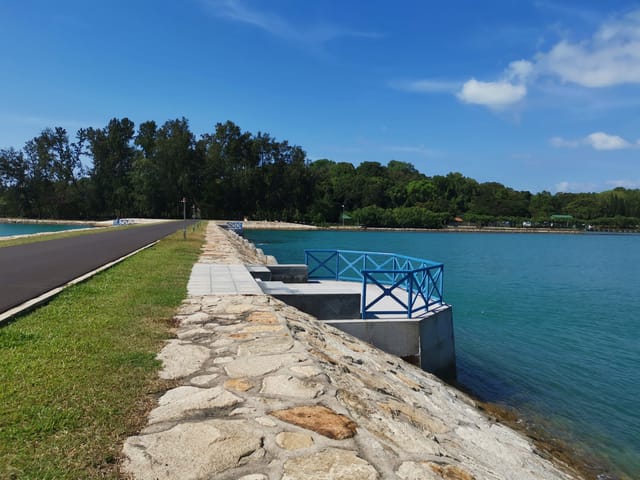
x=412 y=283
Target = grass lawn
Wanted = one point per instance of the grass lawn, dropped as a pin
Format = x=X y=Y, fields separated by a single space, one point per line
x=77 y=376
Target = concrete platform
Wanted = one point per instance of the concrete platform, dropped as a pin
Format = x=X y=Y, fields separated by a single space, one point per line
x=215 y=279
x=333 y=287
x=289 y=273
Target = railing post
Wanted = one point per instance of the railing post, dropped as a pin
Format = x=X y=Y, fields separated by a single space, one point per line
x=363 y=297
x=337 y=265
x=410 y=297
x=395 y=267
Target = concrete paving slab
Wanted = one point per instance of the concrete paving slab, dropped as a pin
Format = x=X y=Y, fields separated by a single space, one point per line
x=216 y=279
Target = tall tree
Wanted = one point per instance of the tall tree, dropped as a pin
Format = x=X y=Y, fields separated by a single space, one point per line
x=113 y=154
x=178 y=168
x=14 y=177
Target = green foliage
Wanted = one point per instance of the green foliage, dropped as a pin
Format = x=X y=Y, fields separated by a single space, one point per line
x=374 y=216
x=400 y=217
x=113 y=153
x=232 y=174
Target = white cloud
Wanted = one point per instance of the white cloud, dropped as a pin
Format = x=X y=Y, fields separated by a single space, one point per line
x=604 y=141
x=595 y=140
x=610 y=57
x=563 y=142
x=519 y=70
x=506 y=91
x=494 y=95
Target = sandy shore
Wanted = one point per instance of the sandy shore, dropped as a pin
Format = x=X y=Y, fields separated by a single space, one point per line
x=265 y=225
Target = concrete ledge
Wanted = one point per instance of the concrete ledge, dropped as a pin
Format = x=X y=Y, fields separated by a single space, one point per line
x=437 y=343
x=289 y=273
x=323 y=305
x=260 y=272
x=430 y=337
x=400 y=336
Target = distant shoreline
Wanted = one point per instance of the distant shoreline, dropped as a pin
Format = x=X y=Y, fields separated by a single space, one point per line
x=275 y=225
x=266 y=225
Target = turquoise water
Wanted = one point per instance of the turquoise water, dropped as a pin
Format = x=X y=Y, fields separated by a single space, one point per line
x=548 y=324
x=8 y=229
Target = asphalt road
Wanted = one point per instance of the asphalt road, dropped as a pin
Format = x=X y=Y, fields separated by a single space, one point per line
x=27 y=271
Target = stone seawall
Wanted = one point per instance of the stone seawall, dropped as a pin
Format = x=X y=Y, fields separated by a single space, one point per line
x=265 y=391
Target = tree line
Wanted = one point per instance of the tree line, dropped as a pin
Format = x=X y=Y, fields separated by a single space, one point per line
x=121 y=171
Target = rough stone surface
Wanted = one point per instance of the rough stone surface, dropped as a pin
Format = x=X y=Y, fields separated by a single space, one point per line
x=238 y=384
x=190 y=450
x=293 y=440
x=330 y=464
x=204 y=380
x=307 y=370
x=417 y=471
x=267 y=318
x=181 y=359
x=267 y=393
x=259 y=365
x=183 y=402
x=319 y=419
x=289 y=386
x=450 y=472
x=265 y=346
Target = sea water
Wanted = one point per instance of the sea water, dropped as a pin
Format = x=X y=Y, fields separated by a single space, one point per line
x=546 y=323
x=9 y=229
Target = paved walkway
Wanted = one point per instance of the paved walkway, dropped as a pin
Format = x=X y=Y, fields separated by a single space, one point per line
x=266 y=392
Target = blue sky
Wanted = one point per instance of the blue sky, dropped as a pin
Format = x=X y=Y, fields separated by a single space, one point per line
x=537 y=95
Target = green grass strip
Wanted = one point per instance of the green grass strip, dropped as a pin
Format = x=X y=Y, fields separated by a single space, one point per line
x=77 y=376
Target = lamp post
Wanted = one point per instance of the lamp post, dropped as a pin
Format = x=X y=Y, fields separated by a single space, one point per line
x=343 y=214
x=184 y=216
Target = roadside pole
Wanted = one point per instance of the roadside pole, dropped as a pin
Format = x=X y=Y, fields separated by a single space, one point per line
x=184 y=215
